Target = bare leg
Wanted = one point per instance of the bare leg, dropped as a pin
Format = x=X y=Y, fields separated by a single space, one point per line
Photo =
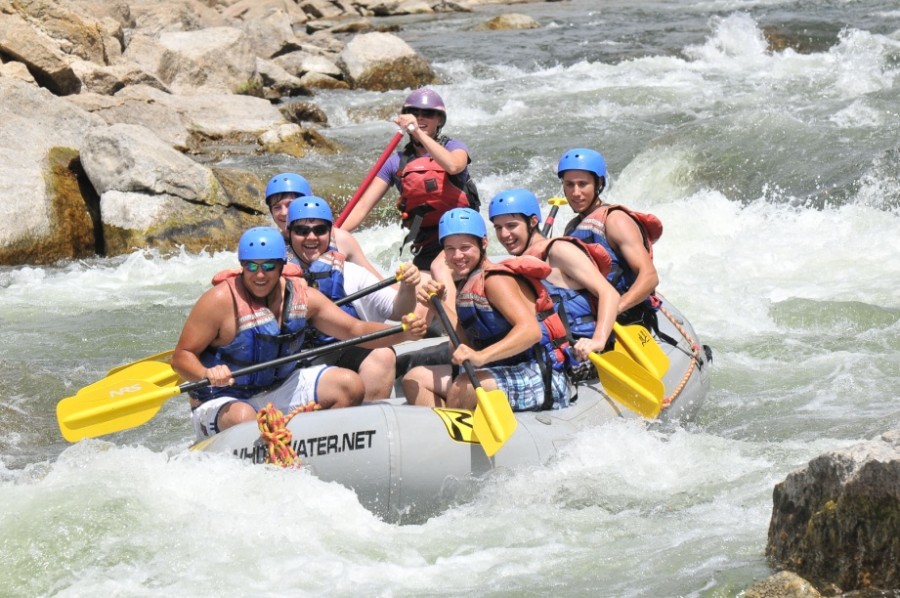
x=462 y=394
x=427 y=386
x=339 y=387
x=234 y=413
x=377 y=372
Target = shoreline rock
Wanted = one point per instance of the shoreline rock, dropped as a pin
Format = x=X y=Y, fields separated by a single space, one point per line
x=836 y=522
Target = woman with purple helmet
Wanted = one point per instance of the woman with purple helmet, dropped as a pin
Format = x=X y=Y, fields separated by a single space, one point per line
x=430 y=172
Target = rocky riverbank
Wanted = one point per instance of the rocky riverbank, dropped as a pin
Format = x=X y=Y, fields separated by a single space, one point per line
x=104 y=103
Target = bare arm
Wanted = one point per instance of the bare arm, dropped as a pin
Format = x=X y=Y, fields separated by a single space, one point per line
x=625 y=238
x=405 y=302
x=333 y=321
x=377 y=188
x=507 y=296
x=580 y=272
x=211 y=322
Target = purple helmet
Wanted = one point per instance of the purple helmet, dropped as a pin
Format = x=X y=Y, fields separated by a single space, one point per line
x=425 y=98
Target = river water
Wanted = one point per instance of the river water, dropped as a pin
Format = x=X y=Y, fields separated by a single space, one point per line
x=777 y=176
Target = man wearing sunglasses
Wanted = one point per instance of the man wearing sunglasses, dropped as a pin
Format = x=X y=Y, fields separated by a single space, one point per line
x=431 y=173
x=258 y=313
x=325 y=268
x=284 y=188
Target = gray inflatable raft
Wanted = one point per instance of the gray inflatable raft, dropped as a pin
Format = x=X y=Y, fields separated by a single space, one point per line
x=408 y=463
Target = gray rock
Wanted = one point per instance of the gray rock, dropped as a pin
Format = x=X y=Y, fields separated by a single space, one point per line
x=381 y=61
x=837 y=521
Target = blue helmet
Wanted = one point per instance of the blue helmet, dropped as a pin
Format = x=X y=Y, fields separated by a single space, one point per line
x=515 y=201
x=309 y=207
x=461 y=221
x=262 y=243
x=582 y=159
x=287 y=182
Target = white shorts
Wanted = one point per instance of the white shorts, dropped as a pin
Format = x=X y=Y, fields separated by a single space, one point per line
x=298 y=390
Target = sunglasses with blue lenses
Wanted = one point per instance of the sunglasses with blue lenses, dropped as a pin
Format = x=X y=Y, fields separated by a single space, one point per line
x=424 y=112
x=303 y=230
x=266 y=266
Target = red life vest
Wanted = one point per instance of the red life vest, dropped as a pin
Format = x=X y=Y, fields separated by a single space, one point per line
x=596 y=252
x=427 y=189
x=651 y=226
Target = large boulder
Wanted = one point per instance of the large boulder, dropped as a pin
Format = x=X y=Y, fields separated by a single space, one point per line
x=153 y=196
x=381 y=61
x=47 y=210
x=49 y=66
x=837 y=521
x=212 y=60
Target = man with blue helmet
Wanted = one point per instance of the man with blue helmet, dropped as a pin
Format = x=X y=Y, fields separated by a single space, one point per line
x=325 y=268
x=253 y=315
x=283 y=189
x=494 y=316
x=625 y=234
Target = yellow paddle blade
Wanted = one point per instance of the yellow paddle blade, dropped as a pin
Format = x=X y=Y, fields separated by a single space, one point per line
x=110 y=407
x=637 y=342
x=493 y=421
x=154 y=372
x=628 y=383
x=164 y=357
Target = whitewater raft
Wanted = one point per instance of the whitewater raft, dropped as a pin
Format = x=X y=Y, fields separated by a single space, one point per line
x=406 y=463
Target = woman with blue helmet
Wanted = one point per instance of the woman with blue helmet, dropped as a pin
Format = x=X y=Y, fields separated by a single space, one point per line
x=253 y=315
x=625 y=234
x=580 y=293
x=430 y=172
x=282 y=189
x=494 y=315
x=326 y=269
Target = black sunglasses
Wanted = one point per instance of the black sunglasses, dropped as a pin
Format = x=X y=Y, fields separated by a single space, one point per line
x=266 y=266
x=425 y=112
x=303 y=230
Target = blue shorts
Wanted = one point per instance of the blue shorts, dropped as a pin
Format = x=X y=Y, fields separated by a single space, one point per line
x=524 y=386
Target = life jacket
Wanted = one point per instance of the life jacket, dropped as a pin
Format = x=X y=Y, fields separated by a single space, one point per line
x=258 y=337
x=485 y=326
x=598 y=253
x=427 y=190
x=326 y=274
x=577 y=308
x=592 y=229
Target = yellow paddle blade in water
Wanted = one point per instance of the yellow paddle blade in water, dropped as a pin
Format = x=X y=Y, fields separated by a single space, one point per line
x=629 y=383
x=637 y=342
x=493 y=420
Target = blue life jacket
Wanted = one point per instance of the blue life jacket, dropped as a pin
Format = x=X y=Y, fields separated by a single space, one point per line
x=327 y=275
x=259 y=338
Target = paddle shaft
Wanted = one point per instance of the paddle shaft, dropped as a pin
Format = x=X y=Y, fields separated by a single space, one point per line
x=363 y=292
x=301 y=356
x=556 y=202
x=395 y=140
x=454 y=338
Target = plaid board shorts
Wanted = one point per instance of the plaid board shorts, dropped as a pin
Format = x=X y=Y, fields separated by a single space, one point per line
x=524 y=386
